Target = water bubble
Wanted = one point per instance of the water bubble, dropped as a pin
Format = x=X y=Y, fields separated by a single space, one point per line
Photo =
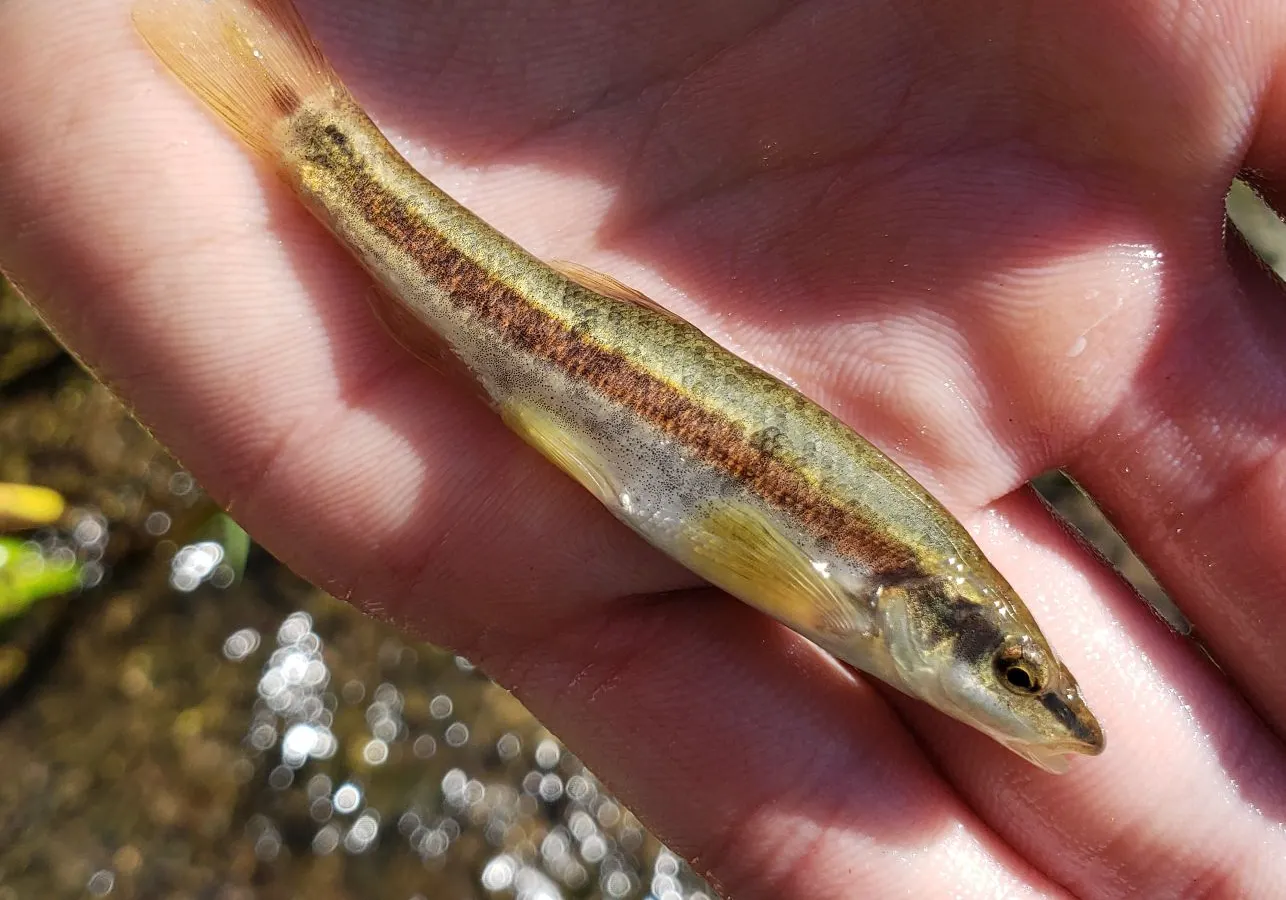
x=271 y=684
x=312 y=708
x=362 y=834
x=281 y=777
x=100 y=884
x=498 y=874
x=389 y=696
x=294 y=627
x=409 y=822
x=319 y=786
x=321 y=809
x=630 y=838
x=223 y=576
x=385 y=729
x=663 y=884
x=473 y=792
x=532 y=884
x=453 y=783
x=268 y=846
x=548 y=753
x=326 y=744
x=89 y=530
x=241 y=644
x=617 y=884
x=580 y=788
x=440 y=706
x=574 y=875
x=193 y=564
x=326 y=840
x=551 y=788
x=424 y=746
x=315 y=674
x=375 y=752
x=554 y=846
x=457 y=735
x=509 y=746
x=593 y=848
x=353 y=692
x=293 y=667
x=434 y=843
x=347 y=798
x=157 y=523
x=263 y=736
x=298 y=744
x=92 y=574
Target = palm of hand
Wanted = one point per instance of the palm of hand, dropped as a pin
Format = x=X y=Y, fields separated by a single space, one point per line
x=989 y=238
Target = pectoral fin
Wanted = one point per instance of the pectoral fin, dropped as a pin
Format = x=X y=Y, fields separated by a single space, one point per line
x=422 y=342
x=579 y=460
x=739 y=549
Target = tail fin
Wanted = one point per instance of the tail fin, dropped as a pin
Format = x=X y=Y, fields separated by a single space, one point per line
x=251 y=61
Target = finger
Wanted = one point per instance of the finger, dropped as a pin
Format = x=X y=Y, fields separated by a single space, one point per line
x=1265 y=163
x=238 y=328
x=1141 y=358
x=269 y=388
x=781 y=781
x=1185 y=799
x=1189 y=462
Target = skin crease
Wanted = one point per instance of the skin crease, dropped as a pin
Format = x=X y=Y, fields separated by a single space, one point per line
x=989 y=236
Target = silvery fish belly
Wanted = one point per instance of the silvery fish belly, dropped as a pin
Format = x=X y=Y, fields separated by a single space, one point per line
x=720 y=465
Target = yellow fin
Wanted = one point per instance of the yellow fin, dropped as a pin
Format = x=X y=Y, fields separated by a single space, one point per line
x=28 y=505
x=742 y=551
x=251 y=61
x=593 y=280
x=555 y=443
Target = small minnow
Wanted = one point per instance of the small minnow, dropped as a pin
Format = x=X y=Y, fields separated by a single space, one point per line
x=730 y=471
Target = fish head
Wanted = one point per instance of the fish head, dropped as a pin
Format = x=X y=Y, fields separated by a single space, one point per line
x=969 y=646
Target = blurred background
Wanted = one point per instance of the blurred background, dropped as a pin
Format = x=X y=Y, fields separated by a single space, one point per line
x=181 y=717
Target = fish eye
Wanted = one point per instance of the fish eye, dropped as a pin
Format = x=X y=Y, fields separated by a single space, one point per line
x=1021 y=668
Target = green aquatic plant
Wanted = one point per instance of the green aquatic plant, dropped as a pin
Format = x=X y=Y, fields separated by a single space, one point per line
x=28 y=575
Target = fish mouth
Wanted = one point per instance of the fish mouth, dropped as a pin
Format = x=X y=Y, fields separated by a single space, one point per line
x=1083 y=737
x=1084 y=734
x=1055 y=757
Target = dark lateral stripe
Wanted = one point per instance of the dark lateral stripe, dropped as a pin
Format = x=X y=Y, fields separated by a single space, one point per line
x=707 y=434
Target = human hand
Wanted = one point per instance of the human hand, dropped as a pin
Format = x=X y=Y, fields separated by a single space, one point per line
x=989 y=237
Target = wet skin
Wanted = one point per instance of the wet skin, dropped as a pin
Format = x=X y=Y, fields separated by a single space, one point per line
x=994 y=245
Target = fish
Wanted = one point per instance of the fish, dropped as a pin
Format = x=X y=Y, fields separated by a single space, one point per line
x=724 y=467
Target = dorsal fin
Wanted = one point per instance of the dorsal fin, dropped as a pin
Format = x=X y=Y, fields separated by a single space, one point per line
x=599 y=283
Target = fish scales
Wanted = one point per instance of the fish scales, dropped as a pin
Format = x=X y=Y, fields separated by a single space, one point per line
x=719 y=464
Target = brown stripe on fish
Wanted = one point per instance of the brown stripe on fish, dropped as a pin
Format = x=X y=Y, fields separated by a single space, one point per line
x=707 y=434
